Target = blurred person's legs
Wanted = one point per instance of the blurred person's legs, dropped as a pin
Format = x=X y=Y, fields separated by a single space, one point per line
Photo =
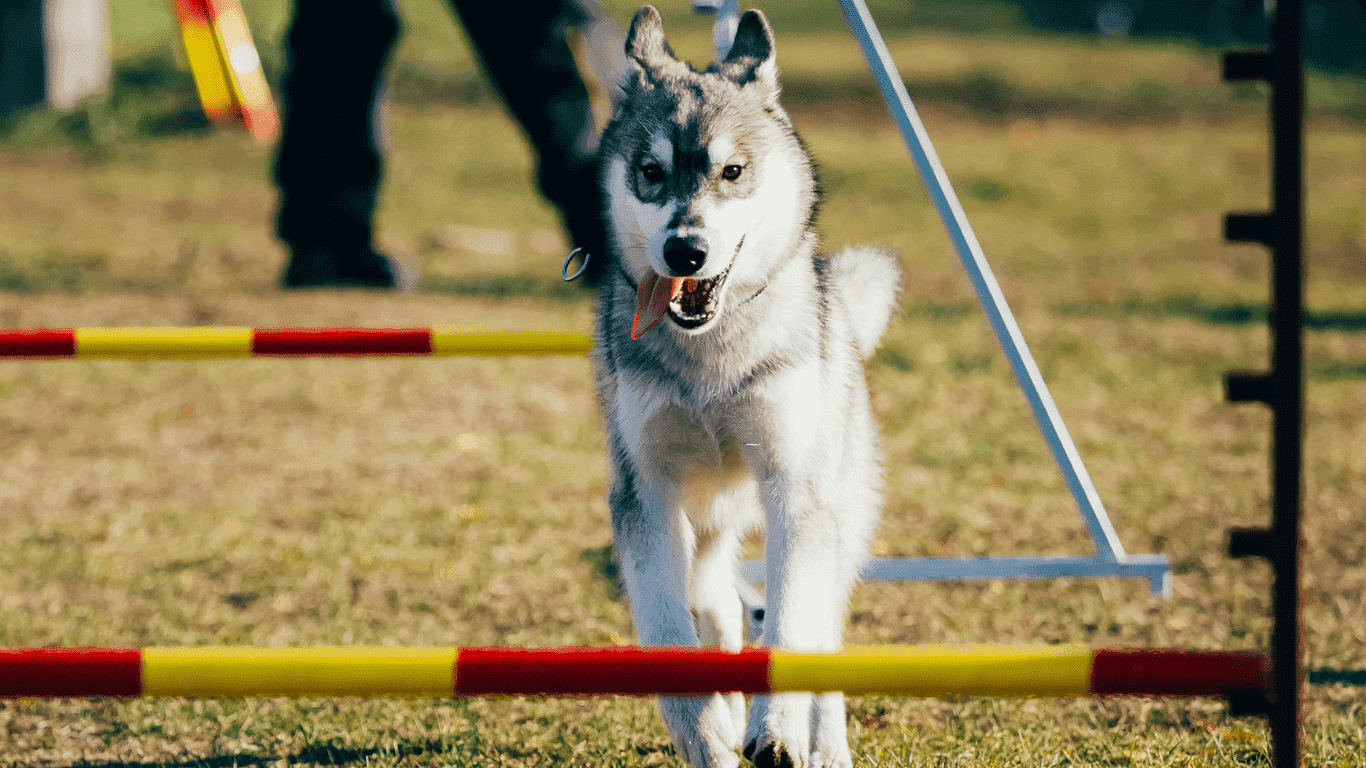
x=525 y=52
x=329 y=164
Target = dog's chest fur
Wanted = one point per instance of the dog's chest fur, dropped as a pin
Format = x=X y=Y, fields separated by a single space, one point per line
x=711 y=412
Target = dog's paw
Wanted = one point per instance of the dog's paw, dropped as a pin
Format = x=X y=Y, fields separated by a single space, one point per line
x=798 y=730
x=840 y=759
x=779 y=756
x=703 y=729
x=771 y=756
x=779 y=732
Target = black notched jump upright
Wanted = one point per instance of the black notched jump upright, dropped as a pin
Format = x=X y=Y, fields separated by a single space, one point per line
x=1282 y=388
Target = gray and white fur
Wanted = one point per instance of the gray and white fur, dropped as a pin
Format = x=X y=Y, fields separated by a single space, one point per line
x=745 y=406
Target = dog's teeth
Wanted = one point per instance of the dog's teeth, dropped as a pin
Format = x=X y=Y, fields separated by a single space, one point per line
x=694 y=301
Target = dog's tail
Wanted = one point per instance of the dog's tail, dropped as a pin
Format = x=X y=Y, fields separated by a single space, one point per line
x=867 y=280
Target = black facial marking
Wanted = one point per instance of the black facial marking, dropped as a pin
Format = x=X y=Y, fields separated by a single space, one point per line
x=685 y=117
x=684 y=217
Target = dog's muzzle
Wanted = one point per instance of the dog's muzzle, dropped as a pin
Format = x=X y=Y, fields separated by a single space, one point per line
x=690 y=302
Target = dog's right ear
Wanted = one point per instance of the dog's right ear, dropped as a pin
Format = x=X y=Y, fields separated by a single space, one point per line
x=645 y=43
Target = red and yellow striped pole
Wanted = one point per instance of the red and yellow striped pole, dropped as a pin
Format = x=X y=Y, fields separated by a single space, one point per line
x=206 y=65
x=220 y=342
x=226 y=66
x=918 y=671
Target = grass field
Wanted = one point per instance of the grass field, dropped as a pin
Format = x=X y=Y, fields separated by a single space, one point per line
x=451 y=501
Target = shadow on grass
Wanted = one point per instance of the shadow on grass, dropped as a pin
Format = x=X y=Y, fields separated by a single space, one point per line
x=507 y=287
x=1185 y=307
x=316 y=754
x=1337 y=371
x=1196 y=308
x=327 y=754
x=72 y=274
x=218 y=761
x=600 y=558
x=988 y=96
x=984 y=94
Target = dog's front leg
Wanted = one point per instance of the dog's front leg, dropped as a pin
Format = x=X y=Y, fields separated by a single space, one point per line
x=654 y=545
x=808 y=581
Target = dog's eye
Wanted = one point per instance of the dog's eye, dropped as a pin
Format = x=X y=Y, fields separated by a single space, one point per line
x=652 y=173
x=731 y=172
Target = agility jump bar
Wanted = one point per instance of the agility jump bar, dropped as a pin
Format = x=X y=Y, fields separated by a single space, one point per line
x=231 y=342
x=917 y=671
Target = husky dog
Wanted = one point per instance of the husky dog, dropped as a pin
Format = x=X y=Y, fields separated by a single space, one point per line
x=729 y=367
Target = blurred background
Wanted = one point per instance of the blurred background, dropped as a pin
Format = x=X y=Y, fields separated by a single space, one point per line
x=993 y=60
x=434 y=61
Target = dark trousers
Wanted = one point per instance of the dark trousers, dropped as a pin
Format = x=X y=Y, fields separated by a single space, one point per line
x=329 y=165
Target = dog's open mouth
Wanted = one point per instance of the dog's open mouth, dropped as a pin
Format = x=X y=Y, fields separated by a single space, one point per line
x=689 y=302
x=694 y=302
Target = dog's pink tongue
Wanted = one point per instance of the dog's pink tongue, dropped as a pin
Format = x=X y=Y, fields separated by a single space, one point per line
x=652 y=302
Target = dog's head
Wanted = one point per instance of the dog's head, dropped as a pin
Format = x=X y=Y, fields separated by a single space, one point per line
x=708 y=187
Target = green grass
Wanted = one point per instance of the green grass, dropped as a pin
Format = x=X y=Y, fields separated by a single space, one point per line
x=451 y=501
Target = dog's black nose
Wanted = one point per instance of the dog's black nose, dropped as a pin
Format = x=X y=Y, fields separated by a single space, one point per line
x=685 y=255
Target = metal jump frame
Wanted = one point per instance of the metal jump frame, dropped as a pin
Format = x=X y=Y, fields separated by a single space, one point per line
x=1110 y=559
x=1282 y=388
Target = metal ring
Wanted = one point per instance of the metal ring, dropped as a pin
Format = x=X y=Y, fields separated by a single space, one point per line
x=564 y=268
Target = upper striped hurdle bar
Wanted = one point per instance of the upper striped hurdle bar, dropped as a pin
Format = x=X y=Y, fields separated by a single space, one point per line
x=231 y=342
x=912 y=671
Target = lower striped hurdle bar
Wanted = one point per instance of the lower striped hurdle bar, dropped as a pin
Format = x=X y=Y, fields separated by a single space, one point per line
x=919 y=670
x=225 y=342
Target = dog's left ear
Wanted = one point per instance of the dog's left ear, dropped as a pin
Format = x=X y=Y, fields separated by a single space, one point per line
x=645 y=43
x=751 y=58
